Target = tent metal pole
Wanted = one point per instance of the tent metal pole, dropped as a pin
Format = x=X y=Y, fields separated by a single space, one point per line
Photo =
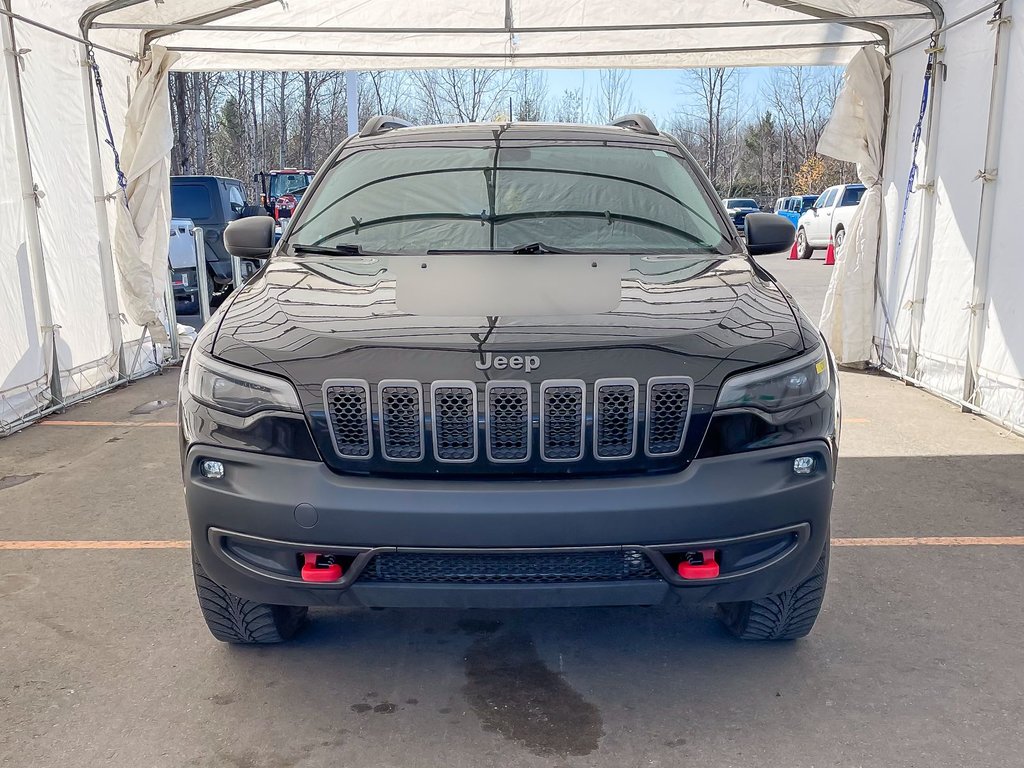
x=202 y=274
x=434 y=31
x=65 y=35
x=926 y=226
x=107 y=273
x=352 y=101
x=172 y=318
x=503 y=56
x=946 y=27
x=30 y=195
x=989 y=176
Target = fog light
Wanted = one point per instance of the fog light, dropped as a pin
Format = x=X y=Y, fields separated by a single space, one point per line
x=803 y=465
x=214 y=470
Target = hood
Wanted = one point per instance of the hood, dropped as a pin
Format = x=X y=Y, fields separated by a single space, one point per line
x=445 y=316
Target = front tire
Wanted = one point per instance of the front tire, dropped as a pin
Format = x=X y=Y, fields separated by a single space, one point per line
x=803 y=248
x=788 y=615
x=233 y=619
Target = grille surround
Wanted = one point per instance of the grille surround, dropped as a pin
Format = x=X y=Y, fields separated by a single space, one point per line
x=604 y=419
x=653 y=385
x=449 y=390
x=492 y=431
x=388 y=417
x=366 y=422
x=548 y=420
x=557 y=567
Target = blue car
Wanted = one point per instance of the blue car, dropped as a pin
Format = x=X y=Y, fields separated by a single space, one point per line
x=793 y=207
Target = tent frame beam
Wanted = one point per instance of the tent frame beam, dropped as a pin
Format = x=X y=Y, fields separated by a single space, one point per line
x=504 y=31
x=513 y=57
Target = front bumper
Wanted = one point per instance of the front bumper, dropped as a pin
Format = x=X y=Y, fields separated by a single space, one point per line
x=769 y=525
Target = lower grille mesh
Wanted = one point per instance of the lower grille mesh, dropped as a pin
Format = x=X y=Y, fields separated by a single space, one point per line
x=513 y=568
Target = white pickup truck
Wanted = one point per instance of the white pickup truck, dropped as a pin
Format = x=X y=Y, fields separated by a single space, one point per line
x=829 y=217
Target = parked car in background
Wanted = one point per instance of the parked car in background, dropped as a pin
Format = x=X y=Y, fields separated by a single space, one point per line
x=181 y=257
x=793 y=207
x=738 y=208
x=829 y=217
x=212 y=202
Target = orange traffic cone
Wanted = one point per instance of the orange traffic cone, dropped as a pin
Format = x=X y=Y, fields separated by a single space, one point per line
x=830 y=254
x=792 y=252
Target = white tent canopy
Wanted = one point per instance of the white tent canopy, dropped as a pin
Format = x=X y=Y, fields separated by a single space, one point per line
x=945 y=242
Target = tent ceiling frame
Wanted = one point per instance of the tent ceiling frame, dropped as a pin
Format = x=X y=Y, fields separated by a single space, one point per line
x=814 y=20
x=513 y=57
x=932 y=9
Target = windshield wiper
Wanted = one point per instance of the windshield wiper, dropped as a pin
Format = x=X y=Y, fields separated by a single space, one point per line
x=537 y=248
x=343 y=249
x=519 y=249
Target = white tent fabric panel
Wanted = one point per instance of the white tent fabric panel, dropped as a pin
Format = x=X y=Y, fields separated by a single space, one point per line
x=58 y=141
x=900 y=245
x=942 y=357
x=1001 y=390
x=23 y=384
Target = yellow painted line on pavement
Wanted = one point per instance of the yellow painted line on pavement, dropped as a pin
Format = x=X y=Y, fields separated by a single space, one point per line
x=892 y=541
x=64 y=423
x=856 y=421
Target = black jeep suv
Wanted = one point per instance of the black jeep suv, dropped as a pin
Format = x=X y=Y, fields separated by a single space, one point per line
x=508 y=365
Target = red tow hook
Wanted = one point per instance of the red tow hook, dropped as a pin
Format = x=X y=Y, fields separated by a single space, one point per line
x=320 y=568
x=707 y=568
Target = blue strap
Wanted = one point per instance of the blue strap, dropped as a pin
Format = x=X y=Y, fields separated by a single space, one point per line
x=911 y=178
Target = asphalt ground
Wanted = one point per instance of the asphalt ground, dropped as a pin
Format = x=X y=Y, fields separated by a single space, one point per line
x=916 y=659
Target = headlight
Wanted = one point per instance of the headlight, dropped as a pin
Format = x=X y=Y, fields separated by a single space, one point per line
x=238 y=390
x=779 y=387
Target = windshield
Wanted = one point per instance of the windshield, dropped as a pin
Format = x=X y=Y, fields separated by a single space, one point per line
x=808 y=202
x=740 y=204
x=289 y=183
x=578 y=197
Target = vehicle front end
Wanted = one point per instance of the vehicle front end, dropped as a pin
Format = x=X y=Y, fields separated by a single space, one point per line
x=508 y=426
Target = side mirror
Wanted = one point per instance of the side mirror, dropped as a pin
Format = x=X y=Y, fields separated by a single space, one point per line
x=250 y=238
x=768 y=233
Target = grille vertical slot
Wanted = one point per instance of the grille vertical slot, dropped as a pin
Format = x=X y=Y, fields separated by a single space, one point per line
x=562 y=409
x=347 y=406
x=454 y=420
x=615 y=415
x=401 y=419
x=668 y=414
x=509 y=419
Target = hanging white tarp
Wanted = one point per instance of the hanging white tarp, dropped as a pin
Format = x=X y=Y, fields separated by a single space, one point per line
x=142 y=234
x=854 y=134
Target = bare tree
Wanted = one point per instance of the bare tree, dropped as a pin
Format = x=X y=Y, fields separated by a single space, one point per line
x=570 y=107
x=615 y=90
x=715 y=119
x=531 y=95
x=461 y=95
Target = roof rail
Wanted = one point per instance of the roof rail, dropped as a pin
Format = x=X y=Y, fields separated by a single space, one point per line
x=636 y=122
x=380 y=123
